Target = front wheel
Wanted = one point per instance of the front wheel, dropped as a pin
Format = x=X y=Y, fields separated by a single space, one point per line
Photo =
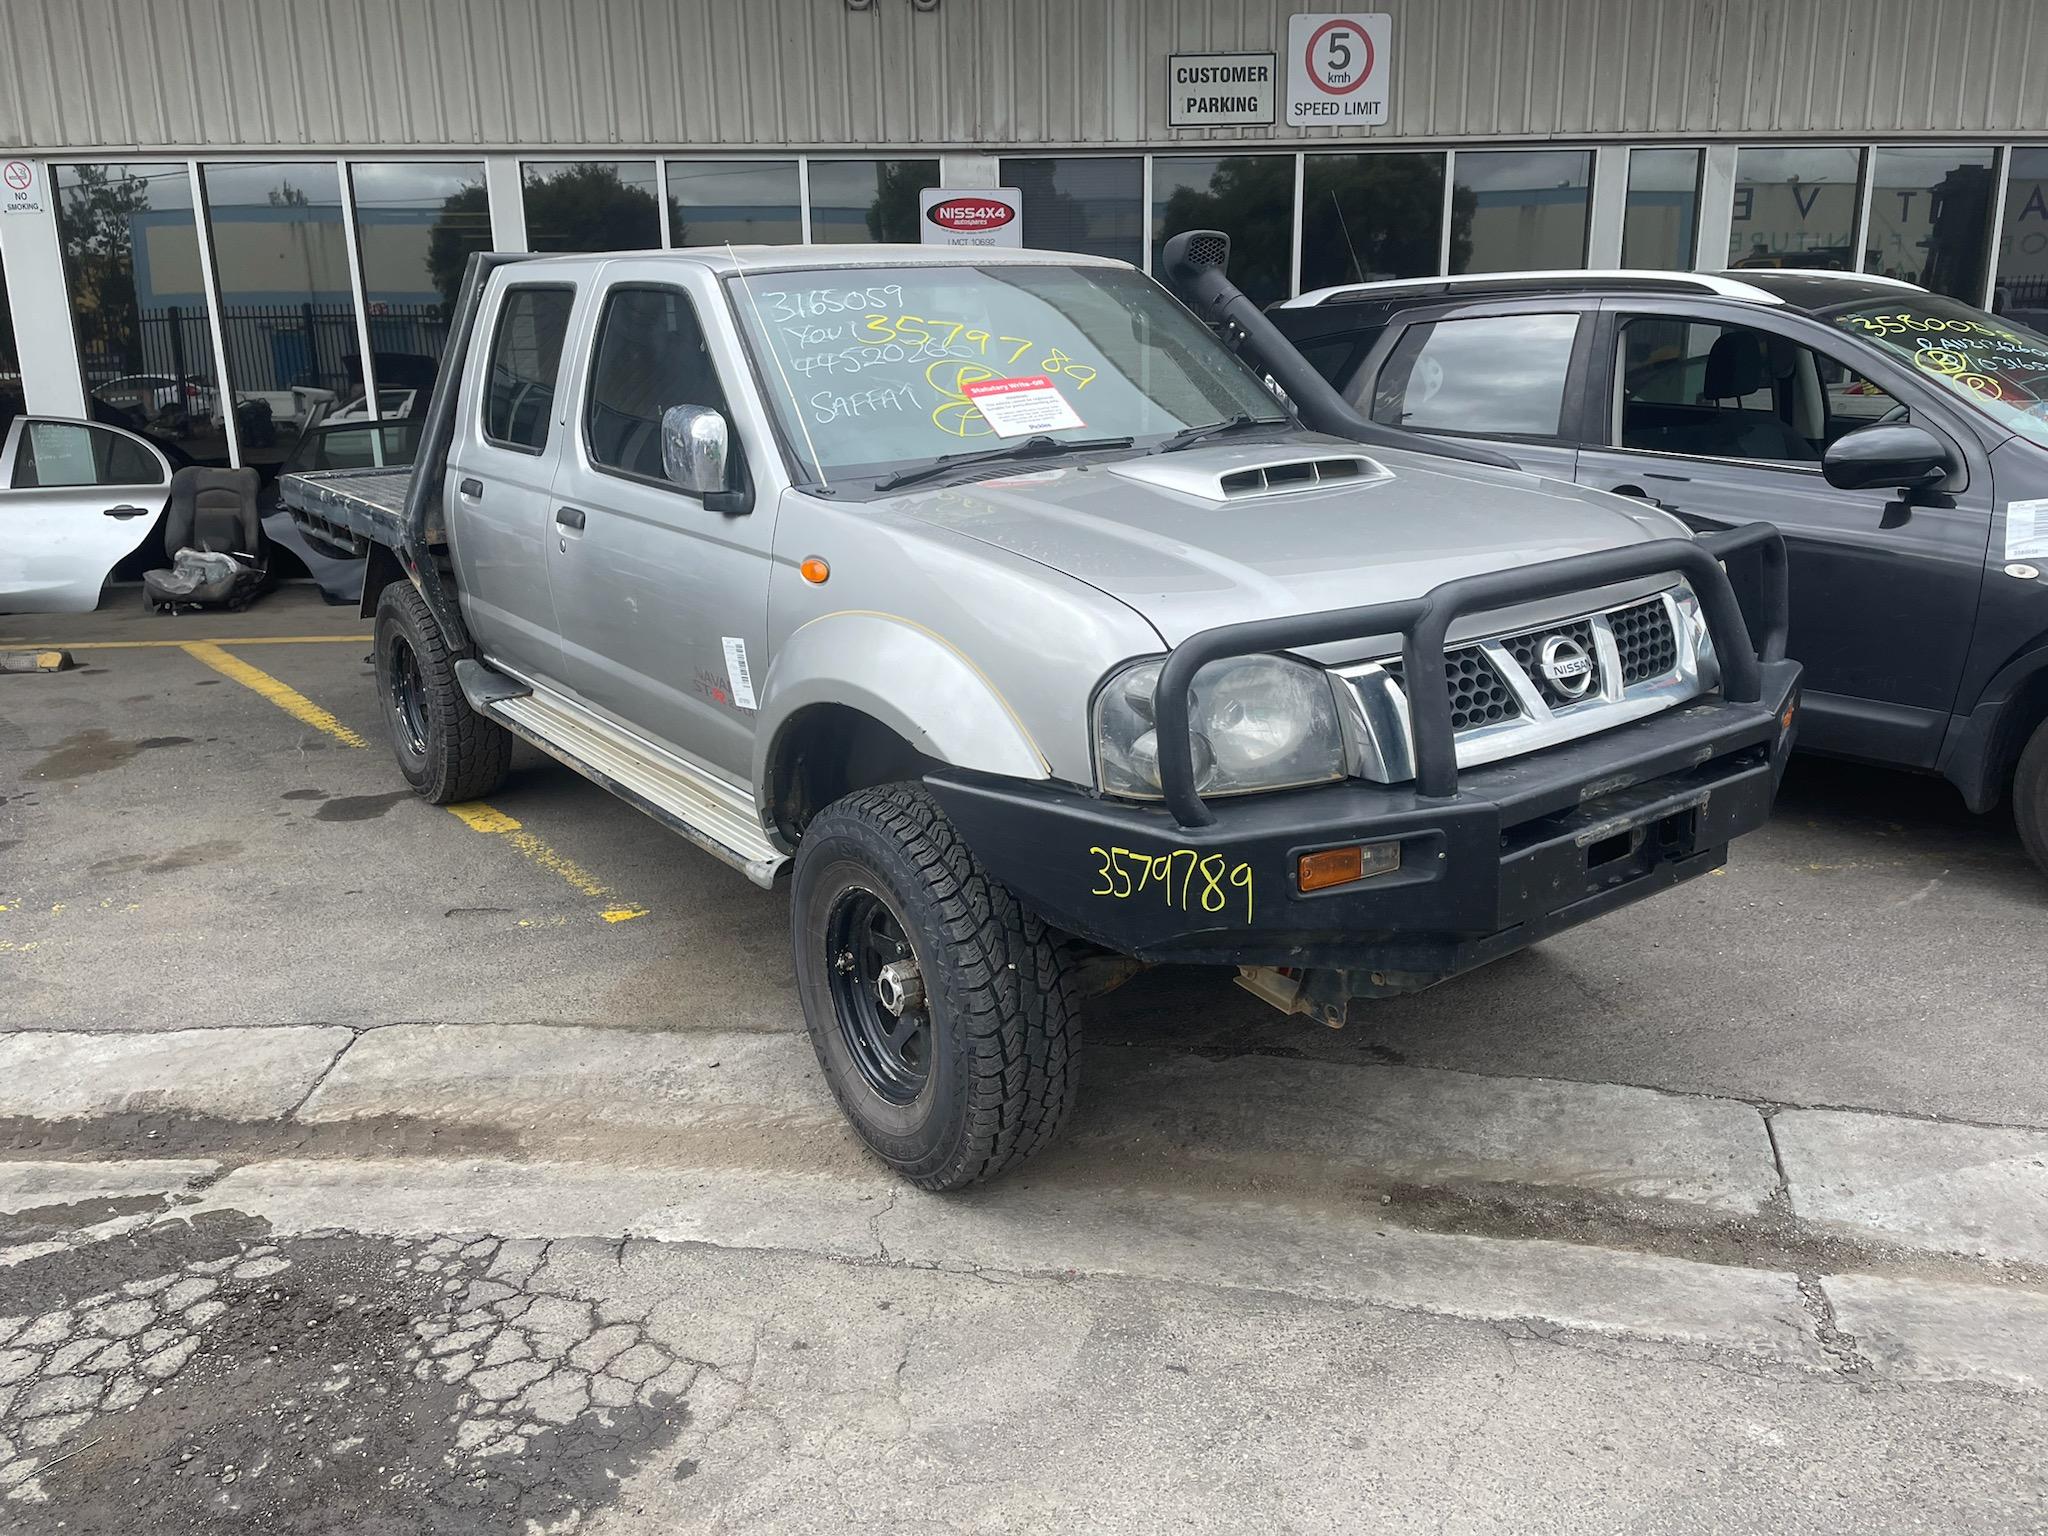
x=2030 y=797
x=446 y=750
x=945 y=1016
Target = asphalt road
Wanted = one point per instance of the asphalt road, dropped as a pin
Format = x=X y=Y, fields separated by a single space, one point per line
x=367 y=1166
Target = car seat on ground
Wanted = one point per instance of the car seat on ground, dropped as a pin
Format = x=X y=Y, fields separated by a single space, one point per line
x=214 y=540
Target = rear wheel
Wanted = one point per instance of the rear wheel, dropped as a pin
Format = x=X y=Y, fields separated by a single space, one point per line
x=445 y=749
x=945 y=1016
x=2030 y=797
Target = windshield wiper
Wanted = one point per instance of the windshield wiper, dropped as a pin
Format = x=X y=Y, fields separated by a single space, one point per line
x=1031 y=448
x=1187 y=437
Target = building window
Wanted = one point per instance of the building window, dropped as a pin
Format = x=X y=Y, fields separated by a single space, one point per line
x=1365 y=217
x=417 y=224
x=287 y=307
x=1662 y=217
x=746 y=202
x=591 y=205
x=12 y=403
x=138 y=304
x=1795 y=208
x=2023 y=234
x=1249 y=197
x=1519 y=209
x=1093 y=204
x=1502 y=375
x=1930 y=218
x=853 y=201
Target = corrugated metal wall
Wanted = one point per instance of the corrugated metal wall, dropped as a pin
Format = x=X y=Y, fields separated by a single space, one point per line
x=314 y=74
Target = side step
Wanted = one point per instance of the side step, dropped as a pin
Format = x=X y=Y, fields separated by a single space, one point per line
x=717 y=816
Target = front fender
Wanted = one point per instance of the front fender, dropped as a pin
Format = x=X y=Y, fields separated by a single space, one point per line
x=908 y=678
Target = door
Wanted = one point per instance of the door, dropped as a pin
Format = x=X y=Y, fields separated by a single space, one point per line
x=663 y=602
x=1724 y=423
x=75 y=497
x=1505 y=376
x=500 y=478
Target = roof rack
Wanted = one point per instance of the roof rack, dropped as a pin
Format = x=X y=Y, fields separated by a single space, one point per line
x=1683 y=282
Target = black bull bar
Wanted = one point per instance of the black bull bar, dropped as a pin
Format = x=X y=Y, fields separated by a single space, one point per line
x=1424 y=622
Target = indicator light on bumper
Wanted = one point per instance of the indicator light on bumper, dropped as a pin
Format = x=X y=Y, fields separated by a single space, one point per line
x=1341 y=866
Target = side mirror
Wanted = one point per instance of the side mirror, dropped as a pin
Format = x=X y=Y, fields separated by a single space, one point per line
x=1903 y=455
x=694 y=443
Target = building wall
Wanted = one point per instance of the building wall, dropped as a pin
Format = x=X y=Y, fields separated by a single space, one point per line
x=215 y=75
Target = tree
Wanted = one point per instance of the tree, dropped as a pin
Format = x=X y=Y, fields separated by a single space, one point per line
x=96 y=214
x=893 y=214
x=1366 y=217
x=581 y=207
x=1250 y=198
x=463 y=226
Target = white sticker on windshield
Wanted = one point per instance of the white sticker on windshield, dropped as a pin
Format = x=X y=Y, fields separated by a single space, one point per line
x=2026 y=530
x=737 y=674
x=1021 y=407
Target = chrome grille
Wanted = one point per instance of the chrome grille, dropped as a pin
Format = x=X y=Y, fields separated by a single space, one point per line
x=1643 y=636
x=1527 y=649
x=1479 y=694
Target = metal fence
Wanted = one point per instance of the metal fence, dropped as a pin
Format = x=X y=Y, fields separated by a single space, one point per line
x=270 y=348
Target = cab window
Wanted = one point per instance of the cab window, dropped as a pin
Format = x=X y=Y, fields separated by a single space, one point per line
x=526 y=362
x=1494 y=375
x=650 y=356
x=1707 y=390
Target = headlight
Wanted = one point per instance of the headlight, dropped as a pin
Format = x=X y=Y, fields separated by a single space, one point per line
x=1259 y=722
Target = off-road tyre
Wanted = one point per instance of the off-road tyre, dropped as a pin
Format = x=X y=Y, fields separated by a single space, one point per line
x=1003 y=1011
x=446 y=750
x=2030 y=797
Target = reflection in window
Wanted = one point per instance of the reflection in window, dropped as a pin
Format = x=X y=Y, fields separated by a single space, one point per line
x=287 y=308
x=1930 y=218
x=526 y=361
x=1495 y=374
x=11 y=404
x=1365 y=217
x=1519 y=209
x=591 y=205
x=1795 y=208
x=862 y=200
x=2023 y=235
x=1249 y=197
x=747 y=202
x=417 y=223
x=1663 y=208
x=1094 y=204
x=138 y=304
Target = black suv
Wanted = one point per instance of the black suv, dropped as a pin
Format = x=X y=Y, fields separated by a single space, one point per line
x=1898 y=438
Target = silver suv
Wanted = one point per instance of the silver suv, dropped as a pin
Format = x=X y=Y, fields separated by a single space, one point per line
x=1001 y=608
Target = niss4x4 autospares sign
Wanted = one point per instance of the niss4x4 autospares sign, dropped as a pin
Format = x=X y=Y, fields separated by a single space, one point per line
x=975 y=216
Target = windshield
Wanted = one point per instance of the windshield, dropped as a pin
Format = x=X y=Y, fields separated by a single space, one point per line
x=1998 y=367
x=877 y=369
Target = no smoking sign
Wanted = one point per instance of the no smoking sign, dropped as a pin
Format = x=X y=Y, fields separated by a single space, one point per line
x=21 y=187
x=1337 y=69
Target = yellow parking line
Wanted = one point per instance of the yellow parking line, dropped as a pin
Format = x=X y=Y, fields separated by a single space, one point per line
x=283 y=695
x=493 y=822
x=473 y=813
x=173 y=645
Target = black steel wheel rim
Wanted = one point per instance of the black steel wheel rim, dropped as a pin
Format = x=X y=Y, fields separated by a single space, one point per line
x=408 y=697
x=891 y=1051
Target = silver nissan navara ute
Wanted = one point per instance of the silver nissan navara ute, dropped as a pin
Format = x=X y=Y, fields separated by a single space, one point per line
x=1035 y=624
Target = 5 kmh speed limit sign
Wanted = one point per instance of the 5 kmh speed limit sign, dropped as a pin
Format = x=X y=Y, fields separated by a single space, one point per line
x=1337 y=69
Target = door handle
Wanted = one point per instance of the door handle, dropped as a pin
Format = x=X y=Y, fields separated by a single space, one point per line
x=473 y=489
x=569 y=517
x=125 y=510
